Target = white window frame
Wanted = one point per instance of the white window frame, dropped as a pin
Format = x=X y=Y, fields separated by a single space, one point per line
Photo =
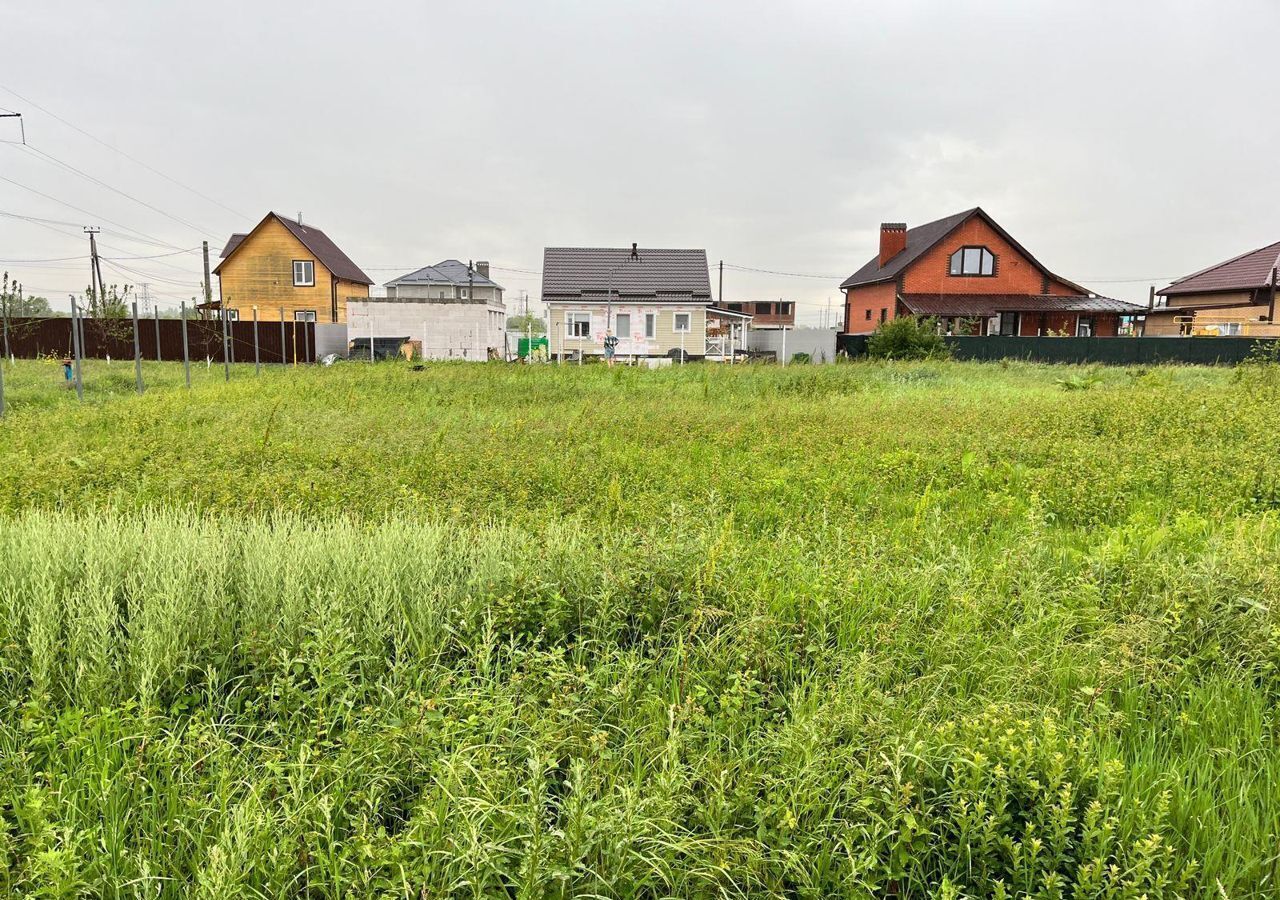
x=688 y=322
x=617 y=325
x=308 y=265
x=304 y=315
x=573 y=316
x=1085 y=326
x=650 y=326
x=464 y=293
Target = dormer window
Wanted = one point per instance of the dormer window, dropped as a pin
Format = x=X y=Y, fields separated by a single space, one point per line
x=973 y=261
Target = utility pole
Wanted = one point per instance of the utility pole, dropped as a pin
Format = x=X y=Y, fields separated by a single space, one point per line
x=208 y=292
x=720 y=293
x=186 y=359
x=137 y=349
x=95 y=273
x=76 y=347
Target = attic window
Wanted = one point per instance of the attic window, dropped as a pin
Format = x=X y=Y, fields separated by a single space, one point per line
x=304 y=273
x=973 y=261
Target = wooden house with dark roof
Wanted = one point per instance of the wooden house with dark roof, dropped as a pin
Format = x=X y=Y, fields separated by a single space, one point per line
x=973 y=277
x=1235 y=297
x=289 y=269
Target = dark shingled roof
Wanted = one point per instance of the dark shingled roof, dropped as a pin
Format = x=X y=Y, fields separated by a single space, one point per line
x=1246 y=272
x=232 y=243
x=451 y=271
x=990 y=304
x=922 y=238
x=668 y=275
x=315 y=240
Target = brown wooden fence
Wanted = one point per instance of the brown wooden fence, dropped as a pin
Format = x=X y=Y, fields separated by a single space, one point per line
x=31 y=338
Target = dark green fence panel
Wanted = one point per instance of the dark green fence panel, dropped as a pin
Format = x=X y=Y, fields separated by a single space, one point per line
x=1115 y=351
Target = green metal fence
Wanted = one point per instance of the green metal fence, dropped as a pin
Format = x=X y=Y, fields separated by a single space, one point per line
x=1121 y=351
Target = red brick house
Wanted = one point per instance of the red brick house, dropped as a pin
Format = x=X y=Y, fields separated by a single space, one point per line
x=971 y=275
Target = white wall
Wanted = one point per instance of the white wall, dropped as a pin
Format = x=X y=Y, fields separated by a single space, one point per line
x=444 y=330
x=819 y=343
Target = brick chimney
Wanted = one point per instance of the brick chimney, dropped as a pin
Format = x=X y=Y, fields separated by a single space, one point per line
x=482 y=268
x=893 y=240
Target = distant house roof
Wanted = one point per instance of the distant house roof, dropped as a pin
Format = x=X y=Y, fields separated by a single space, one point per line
x=1246 y=272
x=990 y=304
x=923 y=238
x=451 y=271
x=315 y=240
x=668 y=275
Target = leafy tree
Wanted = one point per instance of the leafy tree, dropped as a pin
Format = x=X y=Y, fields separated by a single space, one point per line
x=524 y=323
x=14 y=303
x=907 y=337
x=111 y=305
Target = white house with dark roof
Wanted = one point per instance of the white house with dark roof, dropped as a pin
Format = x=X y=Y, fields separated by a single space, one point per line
x=451 y=310
x=655 y=301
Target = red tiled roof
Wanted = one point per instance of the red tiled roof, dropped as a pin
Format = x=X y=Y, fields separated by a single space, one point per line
x=990 y=304
x=1246 y=272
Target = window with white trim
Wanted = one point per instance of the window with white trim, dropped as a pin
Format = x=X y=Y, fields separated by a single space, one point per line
x=304 y=273
x=650 y=325
x=682 y=322
x=577 y=324
x=304 y=315
x=622 y=325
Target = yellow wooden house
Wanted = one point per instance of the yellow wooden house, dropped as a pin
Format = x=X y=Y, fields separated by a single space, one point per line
x=290 y=270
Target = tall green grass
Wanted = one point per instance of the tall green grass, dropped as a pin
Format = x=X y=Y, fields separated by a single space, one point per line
x=915 y=631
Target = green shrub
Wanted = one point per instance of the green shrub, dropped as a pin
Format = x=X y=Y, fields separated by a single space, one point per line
x=907 y=338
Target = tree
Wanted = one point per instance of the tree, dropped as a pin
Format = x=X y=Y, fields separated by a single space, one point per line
x=111 y=305
x=14 y=304
x=907 y=337
x=526 y=322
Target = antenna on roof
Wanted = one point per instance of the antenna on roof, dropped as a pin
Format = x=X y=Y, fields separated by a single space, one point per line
x=299 y=217
x=635 y=254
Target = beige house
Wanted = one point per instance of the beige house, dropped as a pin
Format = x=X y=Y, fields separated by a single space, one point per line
x=1235 y=298
x=653 y=300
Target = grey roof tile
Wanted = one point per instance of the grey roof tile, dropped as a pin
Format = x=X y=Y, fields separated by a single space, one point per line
x=661 y=274
x=451 y=271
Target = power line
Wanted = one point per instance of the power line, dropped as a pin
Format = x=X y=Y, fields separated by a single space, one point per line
x=144 y=235
x=98 y=181
x=127 y=156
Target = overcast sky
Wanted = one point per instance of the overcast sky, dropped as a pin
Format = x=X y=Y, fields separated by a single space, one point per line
x=1122 y=143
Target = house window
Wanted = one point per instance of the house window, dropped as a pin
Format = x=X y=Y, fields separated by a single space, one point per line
x=1229 y=329
x=764 y=309
x=464 y=293
x=735 y=307
x=1008 y=324
x=578 y=324
x=304 y=273
x=784 y=309
x=233 y=315
x=973 y=261
x=884 y=314
x=1084 y=326
x=682 y=322
x=304 y=315
x=868 y=314
x=650 y=325
x=623 y=325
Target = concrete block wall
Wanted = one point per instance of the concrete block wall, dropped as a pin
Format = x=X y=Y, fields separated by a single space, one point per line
x=444 y=330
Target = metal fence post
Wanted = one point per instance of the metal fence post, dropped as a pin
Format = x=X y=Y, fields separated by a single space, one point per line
x=306 y=343
x=137 y=349
x=186 y=358
x=257 y=362
x=76 y=348
x=284 y=357
x=158 y=357
x=1 y=391
x=226 y=344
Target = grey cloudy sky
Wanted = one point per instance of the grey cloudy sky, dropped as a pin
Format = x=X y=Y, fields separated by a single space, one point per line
x=1123 y=143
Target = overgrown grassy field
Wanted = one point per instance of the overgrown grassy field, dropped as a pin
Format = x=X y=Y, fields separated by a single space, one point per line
x=911 y=630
